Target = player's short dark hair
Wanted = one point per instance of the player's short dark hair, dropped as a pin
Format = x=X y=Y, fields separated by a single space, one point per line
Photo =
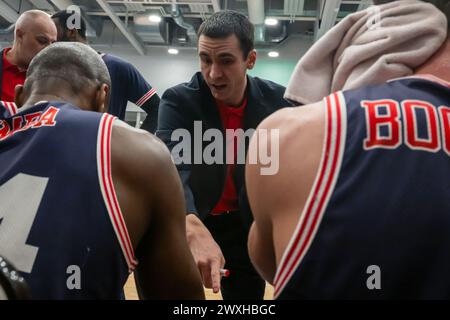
x=443 y=5
x=75 y=63
x=225 y=23
x=64 y=15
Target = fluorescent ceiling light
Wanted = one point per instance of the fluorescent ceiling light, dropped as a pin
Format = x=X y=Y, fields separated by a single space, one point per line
x=154 y=18
x=172 y=51
x=271 y=22
x=273 y=54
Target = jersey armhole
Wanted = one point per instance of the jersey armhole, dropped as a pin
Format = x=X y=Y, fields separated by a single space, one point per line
x=108 y=191
x=320 y=193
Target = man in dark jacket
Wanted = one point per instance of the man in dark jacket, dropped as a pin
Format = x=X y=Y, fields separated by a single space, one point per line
x=221 y=99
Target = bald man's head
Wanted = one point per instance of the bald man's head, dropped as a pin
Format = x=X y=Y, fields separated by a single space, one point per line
x=71 y=71
x=34 y=31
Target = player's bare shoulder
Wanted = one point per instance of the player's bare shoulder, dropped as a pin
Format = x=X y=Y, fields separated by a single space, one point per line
x=298 y=142
x=122 y=130
x=298 y=129
x=290 y=120
x=141 y=163
x=138 y=147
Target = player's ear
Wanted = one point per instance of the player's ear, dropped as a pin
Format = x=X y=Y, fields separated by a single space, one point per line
x=19 y=96
x=102 y=97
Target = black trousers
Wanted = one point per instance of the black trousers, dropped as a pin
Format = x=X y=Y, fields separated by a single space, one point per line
x=231 y=234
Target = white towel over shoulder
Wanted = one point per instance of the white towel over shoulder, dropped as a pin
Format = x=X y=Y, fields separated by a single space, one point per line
x=369 y=47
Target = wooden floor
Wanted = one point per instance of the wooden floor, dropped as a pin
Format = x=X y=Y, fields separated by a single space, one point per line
x=131 y=294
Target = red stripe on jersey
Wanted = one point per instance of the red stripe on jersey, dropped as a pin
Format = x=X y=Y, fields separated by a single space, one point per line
x=114 y=196
x=109 y=192
x=330 y=158
x=146 y=97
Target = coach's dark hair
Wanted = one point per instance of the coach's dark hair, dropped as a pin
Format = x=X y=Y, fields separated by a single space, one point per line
x=225 y=23
x=64 y=15
x=443 y=5
x=75 y=63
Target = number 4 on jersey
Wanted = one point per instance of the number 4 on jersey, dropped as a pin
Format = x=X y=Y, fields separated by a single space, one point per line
x=20 y=198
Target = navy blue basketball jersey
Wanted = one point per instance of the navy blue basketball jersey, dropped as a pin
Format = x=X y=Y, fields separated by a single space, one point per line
x=127 y=84
x=7 y=109
x=376 y=224
x=60 y=222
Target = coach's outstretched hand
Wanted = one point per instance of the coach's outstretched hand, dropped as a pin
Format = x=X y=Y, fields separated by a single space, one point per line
x=207 y=253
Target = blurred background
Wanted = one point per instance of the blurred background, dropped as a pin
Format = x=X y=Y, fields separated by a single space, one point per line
x=159 y=37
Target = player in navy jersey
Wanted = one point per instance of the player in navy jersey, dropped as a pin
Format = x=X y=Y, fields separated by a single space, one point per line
x=360 y=207
x=86 y=199
x=127 y=82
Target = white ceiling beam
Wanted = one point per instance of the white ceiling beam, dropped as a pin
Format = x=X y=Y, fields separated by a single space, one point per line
x=62 y=4
x=256 y=13
x=329 y=16
x=8 y=13
x=132 y=6
x=294 y=7
x=121 y=26
x=216 y=5
x=41 y=4
x=319 y=8
x=198 y=15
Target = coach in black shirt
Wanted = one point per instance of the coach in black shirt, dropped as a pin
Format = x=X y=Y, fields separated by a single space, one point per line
x=221 y=97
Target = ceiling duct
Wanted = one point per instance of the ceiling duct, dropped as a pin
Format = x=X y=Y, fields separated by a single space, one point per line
x=282 y=34
x=256 y=16
x=150 y=32
x=179 y=20
x=121 y=26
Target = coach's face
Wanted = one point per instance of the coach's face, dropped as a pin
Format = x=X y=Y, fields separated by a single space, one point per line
x=224 y=67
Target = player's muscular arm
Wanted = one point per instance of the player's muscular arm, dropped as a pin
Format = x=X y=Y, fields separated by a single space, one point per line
x=150 y=195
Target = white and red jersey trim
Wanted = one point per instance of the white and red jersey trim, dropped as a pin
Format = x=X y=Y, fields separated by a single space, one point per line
x=10 y=106
x=108 y=191
x=435 y=79
x=428 y=77
x=145 y=97
x=321 y=191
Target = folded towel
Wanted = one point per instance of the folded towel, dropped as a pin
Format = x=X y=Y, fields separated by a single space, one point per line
x=369 y=47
